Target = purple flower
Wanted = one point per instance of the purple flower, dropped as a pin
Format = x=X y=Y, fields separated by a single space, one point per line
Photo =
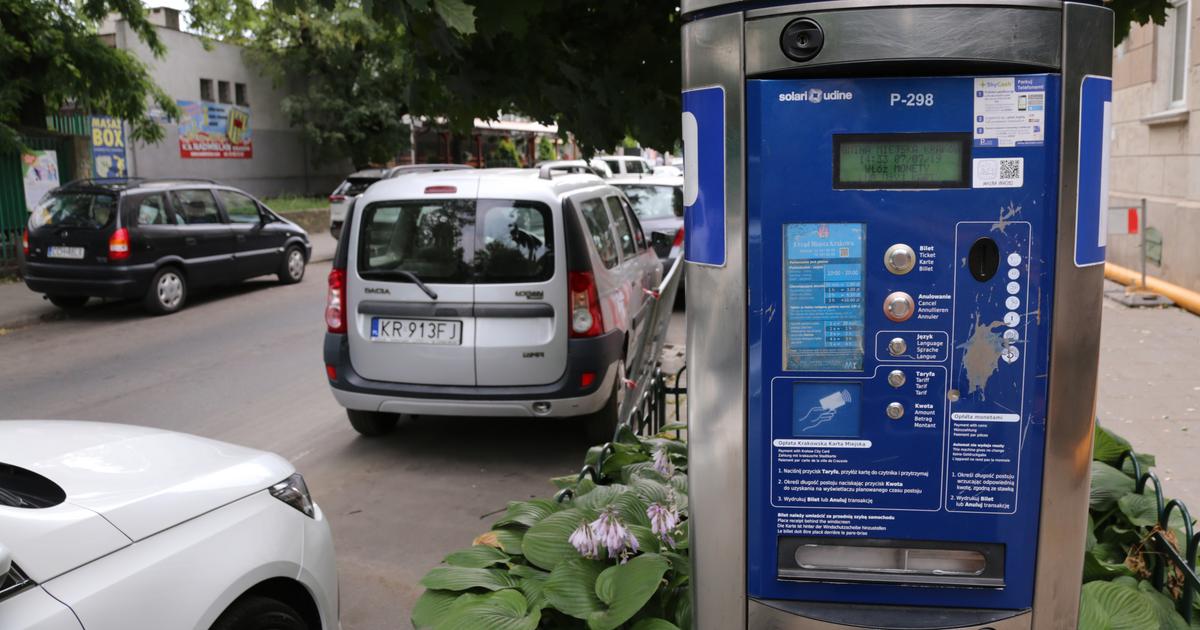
x=585 y=542
x=663 y=521
x=662 y=463
x=609 y=531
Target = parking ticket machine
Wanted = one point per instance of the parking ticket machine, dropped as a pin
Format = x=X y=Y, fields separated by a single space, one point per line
x=895 y=210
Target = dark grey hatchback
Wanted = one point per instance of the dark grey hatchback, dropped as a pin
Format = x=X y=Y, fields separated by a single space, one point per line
x=155 y=240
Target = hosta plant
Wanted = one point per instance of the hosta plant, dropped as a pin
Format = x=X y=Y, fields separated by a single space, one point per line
x=610 y=550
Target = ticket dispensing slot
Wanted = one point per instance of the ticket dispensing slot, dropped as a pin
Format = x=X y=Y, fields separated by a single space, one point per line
x=892 y=561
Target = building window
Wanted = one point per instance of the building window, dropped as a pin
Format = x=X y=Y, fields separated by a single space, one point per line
x=239 y=94
x=223 y=92
x=206 y=90
x=1178 y=23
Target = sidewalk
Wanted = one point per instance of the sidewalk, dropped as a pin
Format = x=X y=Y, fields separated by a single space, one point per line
x=1150 y=389
x=20 y=307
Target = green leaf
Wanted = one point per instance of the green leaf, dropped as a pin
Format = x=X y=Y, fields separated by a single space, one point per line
x=1115 y=606
x=533 y=584
x=458 y=15
x=571 y=588
x=1108 y=485
x=1140 y=509
x=477 y=557
x=632 y=508
x=431 y=607
x=1168 y=617
x=1108 y=447
x=651 y=623
x=599 y=498
x=527 y=513
x=505 y=610
x=510 y=540
x=1090 y=539
x=625 y=588
x=1096 y=567
x=1145 y=461
x=546 y=544
x=565 y=481
x=653 y=491
x=462 y=578
x=673 y=426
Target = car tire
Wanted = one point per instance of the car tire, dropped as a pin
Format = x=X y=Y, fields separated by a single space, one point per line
x=291 y=268
x=68 y=302
x=167 y=291
x=372 y=423
x=260 y=613
x=601 y=426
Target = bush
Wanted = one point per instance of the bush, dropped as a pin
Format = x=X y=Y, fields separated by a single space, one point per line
x=1119 y=557
x=610 y=551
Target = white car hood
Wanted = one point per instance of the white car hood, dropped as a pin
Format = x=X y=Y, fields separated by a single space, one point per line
x=123 y=483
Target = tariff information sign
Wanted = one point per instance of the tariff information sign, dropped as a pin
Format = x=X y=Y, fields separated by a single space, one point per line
x=824 y=293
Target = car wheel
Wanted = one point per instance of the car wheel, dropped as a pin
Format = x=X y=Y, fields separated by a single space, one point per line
x=372 y=423
x=68 y=302
x=260 y=613
x=601 y=426
x=167 y=292
x=291 y=269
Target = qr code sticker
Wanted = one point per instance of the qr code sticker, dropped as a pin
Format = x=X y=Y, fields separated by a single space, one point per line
x=999 y=172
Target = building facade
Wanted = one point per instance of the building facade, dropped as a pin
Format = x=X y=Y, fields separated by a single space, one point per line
x=233 y=129
x=1155 y=147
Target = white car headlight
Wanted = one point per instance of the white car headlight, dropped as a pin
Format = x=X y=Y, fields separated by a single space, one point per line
x=294 y=492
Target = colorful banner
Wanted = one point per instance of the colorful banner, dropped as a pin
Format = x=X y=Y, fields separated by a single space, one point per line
x=108 y=148
x=39 y=170
x=214 y=130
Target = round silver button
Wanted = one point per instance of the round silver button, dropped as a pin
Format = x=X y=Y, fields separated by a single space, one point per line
x=895 y=411
x=900 y=259
x=896 y=378
x=898 y=306
x=897 y=346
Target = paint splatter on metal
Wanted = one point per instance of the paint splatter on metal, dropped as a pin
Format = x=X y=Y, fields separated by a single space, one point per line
x=981 y=356
x=1006 y=213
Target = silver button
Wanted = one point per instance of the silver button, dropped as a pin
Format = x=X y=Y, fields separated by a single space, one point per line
x=896 y=378
x=898 y=306
x=900 y=259
x=895 y=411
x=897 y=346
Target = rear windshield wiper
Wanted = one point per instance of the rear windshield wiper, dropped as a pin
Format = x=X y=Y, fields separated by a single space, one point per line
x=417 y=281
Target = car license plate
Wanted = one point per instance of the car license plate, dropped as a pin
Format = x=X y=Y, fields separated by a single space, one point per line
x=429 y=331
x=58 y=251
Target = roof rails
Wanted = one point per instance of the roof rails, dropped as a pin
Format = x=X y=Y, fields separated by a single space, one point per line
x=131 y=181
x=546 y=169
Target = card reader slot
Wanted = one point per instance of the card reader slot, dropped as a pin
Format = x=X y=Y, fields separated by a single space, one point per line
x=891 y=561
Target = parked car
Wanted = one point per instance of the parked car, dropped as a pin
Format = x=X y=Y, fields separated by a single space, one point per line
x=595 y=167
x=658 y=202
x=343 y=196
x=155 y=240
x=626 y=164
x=115 y=527
x=507 y=293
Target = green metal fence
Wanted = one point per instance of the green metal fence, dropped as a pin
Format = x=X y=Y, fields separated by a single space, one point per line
x=13 y=211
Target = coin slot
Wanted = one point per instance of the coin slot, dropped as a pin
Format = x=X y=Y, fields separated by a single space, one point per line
x=983 y=259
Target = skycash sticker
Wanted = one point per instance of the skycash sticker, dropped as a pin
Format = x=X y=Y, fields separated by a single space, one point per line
x=1010 y=111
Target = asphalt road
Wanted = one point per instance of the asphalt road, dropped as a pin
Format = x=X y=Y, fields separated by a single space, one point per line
x=244 y=365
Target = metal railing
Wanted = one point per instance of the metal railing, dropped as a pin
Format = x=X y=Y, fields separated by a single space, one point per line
x=644 y=406
x=1167 y=555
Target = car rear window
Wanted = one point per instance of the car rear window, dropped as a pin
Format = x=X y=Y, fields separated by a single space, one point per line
x=74 y=209
x=355 y=186
x=430 y=239
x=515 y=242
x=655 y=202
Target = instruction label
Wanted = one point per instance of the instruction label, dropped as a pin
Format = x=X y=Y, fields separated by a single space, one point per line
x=824 y=276
x=1010 y=111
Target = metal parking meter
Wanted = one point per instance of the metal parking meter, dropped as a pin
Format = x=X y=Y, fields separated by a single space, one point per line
x=895 y=241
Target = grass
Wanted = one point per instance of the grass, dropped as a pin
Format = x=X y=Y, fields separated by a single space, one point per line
x=296 y=204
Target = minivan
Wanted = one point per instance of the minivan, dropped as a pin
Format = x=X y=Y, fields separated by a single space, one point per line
x=359 y=181
x=494 y=292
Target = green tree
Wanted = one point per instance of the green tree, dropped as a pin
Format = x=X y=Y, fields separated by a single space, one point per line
x=50 y=57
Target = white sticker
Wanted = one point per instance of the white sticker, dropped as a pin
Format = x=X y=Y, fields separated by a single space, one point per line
x=1010 y=111
x=999 y=172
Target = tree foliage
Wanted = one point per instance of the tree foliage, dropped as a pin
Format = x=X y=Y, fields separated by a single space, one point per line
x=50 y=57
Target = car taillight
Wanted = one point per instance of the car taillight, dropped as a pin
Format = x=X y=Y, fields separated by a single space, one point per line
x=336 y=198
x=118 y=244
x=25 y=242
x=335 y=302
x=677 y=246
x=586 y=320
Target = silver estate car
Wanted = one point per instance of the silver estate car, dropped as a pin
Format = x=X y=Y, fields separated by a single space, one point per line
x=495 y=292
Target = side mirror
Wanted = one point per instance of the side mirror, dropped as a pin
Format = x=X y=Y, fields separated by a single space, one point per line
x=5 y=561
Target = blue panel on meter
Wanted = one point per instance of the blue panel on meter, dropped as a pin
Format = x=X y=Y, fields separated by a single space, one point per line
x=704 y=175
x=1095 y=122
x=917 y=430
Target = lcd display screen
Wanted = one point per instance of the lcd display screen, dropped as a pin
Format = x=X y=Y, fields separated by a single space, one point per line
x=901 y=160
x=823 y=293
